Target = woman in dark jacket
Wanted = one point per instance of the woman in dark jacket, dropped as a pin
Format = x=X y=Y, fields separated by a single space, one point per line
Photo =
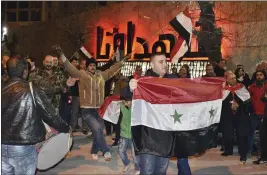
x=241 y=77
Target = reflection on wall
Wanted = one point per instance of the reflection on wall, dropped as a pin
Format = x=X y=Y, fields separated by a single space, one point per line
x=197 y=68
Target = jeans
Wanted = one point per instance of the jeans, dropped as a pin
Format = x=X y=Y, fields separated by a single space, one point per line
x=96 y=124
x=255 y=122
x=124 y=144
x=75 y=107
x=183 y=166
x=152 y=164
x=263 y=141
x=19 y=160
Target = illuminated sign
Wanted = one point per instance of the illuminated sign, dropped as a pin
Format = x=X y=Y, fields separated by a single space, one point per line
x=126 y=43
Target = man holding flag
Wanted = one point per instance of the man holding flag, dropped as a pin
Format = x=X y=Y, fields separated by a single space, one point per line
x=156 y=160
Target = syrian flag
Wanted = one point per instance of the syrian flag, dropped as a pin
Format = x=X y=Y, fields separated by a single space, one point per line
x=176 y=117
x=85 y=52
x=110 y=109
x=182 y=24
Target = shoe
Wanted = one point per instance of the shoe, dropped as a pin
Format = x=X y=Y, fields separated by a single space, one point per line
x=126 y=168
x=137 y=172
x=226 y=154
x=95 y=156
x=115 y=144
x=85 y=132
x=243 y=160
x=107 y=156
x=259 y=161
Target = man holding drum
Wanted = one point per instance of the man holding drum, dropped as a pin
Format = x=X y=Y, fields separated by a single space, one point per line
x=23 y=114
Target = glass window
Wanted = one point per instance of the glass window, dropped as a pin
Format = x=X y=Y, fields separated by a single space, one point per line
x=36 y=4
x=49 y=4
x=35 y=16
x=23 y=16
x=11 y=4
x=49 y=16
x=23 y=4
x=11 y=16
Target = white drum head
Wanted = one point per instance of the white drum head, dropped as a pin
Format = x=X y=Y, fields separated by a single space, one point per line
x=53 y=150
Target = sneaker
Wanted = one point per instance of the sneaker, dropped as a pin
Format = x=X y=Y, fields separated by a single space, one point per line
x=126 y=168
x=137 y=172
x=259 y=161
x=95 y=156
x=107 y=156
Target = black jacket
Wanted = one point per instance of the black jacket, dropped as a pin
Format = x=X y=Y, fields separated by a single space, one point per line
x=21 y=119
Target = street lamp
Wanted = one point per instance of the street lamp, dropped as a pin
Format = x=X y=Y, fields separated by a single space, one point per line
x=4 y=33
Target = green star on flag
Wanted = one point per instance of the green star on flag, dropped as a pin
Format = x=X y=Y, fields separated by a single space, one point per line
x=176 y=117
x=211 y=113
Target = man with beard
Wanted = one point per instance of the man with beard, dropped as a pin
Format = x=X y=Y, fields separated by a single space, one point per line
x=263 y=132
x=91 y=93
x=154 y=161
x=235 y=116
x=220 y=68
x=22 y=116
x=49 y=81
x=256 y=91
x=209 y=71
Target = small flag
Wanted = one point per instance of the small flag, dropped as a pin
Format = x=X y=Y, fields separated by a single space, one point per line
x=182 y=24
x=85 y=52
x=110 y=109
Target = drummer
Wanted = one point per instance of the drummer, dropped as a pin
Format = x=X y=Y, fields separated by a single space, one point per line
x=22 y=125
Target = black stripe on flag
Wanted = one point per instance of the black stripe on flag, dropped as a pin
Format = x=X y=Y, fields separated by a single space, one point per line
x=180 y=30
x=180 y=144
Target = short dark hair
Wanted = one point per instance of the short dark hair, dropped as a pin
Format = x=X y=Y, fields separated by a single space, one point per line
x=156 y=54
x=74 y=58
x=16 y=66
x=91 y=61
x=209 y=65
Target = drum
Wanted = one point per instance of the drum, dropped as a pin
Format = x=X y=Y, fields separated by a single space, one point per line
x=53 y=150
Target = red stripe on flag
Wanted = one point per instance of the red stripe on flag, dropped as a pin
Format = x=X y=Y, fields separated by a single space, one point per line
x=176 y=47
x=175 y=91
x=104 y=106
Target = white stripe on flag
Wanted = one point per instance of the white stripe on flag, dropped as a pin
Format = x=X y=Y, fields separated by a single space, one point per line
x=182 y=50
x=85 y=52
x=160 y=116
x=112 y=113
x=185 y=22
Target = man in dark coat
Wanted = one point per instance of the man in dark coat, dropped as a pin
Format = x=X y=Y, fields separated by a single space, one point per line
x=235 y=116
x=153 y=159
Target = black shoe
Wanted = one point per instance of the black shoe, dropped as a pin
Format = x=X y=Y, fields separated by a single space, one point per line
x=259 y=161
x=226 y=154
x=243 y=160
x=85 y=132
x=115 y=144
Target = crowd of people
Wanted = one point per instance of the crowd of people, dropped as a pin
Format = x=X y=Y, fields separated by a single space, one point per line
x=66 y=90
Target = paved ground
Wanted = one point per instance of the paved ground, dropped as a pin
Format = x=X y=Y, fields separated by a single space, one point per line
x=80 y=162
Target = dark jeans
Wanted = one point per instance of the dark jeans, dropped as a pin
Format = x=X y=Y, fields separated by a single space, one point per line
x=17 y=160
x=263 y=139
x=183 y=166
x=124 y=144
x=75 y=108
x=96 y=124
x=151 y=164
x=255 y=123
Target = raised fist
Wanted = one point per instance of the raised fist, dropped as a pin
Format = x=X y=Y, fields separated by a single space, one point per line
x=58 y=49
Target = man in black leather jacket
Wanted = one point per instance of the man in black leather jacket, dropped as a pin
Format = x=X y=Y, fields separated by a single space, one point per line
x=22 y=125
